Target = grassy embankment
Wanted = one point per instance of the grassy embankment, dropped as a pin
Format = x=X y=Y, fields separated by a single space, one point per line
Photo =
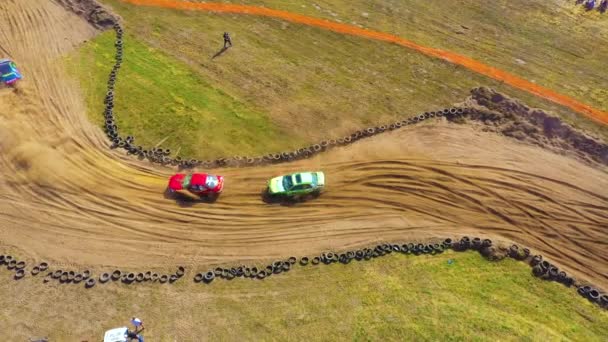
x=403 y=298
x=283 y=85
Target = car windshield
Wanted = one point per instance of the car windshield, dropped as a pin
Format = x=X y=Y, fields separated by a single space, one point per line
x=211 y=182
x=5 y=69
x=287 y=182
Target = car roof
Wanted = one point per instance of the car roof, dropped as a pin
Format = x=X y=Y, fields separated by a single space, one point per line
x=198 y=179
x=305 y=177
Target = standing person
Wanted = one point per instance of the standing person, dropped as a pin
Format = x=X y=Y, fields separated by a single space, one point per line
x=139 y=327
x=227 y=39
x=138 y=324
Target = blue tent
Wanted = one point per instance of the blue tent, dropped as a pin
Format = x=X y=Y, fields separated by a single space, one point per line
x=9 y=73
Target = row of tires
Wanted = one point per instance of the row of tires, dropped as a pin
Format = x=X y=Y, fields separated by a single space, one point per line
x=163 y=156
x=540 y=268
x=86 y=277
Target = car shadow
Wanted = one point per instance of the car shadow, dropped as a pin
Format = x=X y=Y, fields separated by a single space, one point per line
x=187 y=201
x=284 y=200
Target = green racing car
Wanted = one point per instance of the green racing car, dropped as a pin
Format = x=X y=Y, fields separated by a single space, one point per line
x=297 y=184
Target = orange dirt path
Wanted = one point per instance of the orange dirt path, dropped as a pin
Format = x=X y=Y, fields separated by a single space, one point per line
x=469 y=63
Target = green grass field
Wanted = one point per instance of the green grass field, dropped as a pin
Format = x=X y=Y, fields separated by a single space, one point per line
x=160 y=99
x=283 y=85
x=396 y=298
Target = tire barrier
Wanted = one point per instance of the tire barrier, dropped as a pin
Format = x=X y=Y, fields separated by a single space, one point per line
x=541 y=268
x=162 y=156
x=73 y=277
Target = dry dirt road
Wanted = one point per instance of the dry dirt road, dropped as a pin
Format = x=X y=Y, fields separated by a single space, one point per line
x=65 y=197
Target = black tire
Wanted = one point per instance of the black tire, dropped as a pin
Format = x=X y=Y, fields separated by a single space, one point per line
x=147 y=276
x=553 y=272
x=104 y=277
x=77 y=278
x=593 y=295
x=163 y=278
x=35 y=270
x=139 y=278
x=476 y=243
x=262 y=275
x=154 y=277
x=208 y=277
x=64 y=277
x=19 y=274
x=57 y=274
x=304 y=261
x=198 y=277
x=116 y=274
x=43 y=266
x=545 y=265
x=538 y=271
x=315 y=261
x=71 y=275
x=12 y=264
x=86 y=274
x=486 y=243
x=583 y=290
x=130 y=277
x=218 y=271
x=292 y=260
x=1 y=259
x=180 y=271
x=537 y=259
x=90 y=283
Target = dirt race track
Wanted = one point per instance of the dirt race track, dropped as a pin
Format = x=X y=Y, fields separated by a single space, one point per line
x=67 y=198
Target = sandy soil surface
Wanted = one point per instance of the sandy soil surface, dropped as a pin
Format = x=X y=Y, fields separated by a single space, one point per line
x=67 y=198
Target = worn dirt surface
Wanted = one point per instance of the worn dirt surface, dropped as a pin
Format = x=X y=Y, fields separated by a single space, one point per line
x=68 y=199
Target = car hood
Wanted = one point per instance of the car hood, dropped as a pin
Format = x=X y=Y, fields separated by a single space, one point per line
x=175 y=182
x=275 y=185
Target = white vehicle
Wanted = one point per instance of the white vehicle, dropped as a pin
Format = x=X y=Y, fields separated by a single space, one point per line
x=116 y=335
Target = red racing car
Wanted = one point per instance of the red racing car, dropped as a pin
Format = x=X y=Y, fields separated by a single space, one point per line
x=200 y=184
